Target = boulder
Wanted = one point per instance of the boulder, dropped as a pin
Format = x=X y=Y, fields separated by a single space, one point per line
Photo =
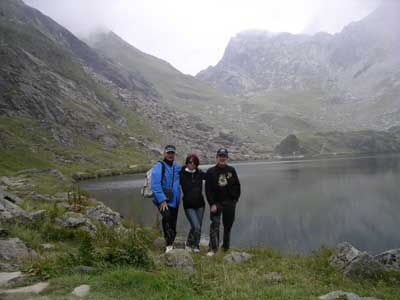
x=81 y=291
x=77 y=220
x=32 y=289
x=177 y=258
x=4 y=233
x=344 y=295
x=72 y=220
x=14 y=248
x=48 y=246
x=7 y=278
x=273 y=277
x=7 y=267
x=351 y=261
x=390 y=259
x=104 y=215
x=38 y=215
x=159 y=243
x=10 y=212
x=237 y=257
x=10 y=197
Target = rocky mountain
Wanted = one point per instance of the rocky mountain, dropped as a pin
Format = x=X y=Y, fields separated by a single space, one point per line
x=196 y=116
x=66 y=104
x=54 y=109
x=102 y=103
x=349 y=80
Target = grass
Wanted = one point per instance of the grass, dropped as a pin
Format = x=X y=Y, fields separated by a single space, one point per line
x=27 y=145
x=303 y=278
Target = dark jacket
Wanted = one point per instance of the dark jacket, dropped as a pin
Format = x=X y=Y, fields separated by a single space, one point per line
x=222 y=186
x=192 y=188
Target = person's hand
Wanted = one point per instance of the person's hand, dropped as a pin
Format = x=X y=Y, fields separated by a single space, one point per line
x=163 y=206
x=214 y=208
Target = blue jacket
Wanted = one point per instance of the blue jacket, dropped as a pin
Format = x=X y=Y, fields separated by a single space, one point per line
x=171 y=173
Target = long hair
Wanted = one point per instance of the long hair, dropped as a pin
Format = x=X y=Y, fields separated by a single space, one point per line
x=194 y=158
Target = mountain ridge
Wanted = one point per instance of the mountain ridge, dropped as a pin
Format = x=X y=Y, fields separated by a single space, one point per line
x=351 y=77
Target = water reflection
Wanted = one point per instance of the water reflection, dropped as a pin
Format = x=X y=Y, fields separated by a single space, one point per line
x=296 y=206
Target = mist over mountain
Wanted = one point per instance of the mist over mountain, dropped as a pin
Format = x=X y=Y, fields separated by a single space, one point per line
x=348 y=80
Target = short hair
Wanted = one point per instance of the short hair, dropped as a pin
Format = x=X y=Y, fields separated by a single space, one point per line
x=194 y=158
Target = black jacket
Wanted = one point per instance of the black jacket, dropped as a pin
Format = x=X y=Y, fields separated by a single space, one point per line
x=222 y=185
x=192 y=188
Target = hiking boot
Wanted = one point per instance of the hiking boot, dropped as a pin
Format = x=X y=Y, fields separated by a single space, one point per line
x=210 y=253
x=169 y=249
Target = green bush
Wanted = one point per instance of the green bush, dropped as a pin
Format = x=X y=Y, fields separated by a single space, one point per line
x=125 y=247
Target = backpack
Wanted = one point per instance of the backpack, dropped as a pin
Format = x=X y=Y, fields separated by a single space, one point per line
x=146 y=191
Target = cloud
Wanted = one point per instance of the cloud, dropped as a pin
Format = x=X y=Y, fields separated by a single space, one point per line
x=192 y=34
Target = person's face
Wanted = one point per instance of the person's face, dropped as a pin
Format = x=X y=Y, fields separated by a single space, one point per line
x=222 y=160
x=191 y=165
x=170 y=156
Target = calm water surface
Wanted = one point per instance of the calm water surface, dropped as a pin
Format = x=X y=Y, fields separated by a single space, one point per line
x=295 y=206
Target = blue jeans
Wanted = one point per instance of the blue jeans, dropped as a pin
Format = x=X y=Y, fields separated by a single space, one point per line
x=195 y=218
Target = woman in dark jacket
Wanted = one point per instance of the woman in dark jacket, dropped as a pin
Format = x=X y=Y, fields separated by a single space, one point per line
x=191 y=178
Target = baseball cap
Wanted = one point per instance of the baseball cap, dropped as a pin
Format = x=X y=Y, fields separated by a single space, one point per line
x=170 y=148
x=222 y=152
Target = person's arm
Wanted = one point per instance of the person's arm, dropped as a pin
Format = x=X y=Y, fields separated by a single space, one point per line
x=156 y=185
x=183 y=184
x=210 y=188
x=235 y=188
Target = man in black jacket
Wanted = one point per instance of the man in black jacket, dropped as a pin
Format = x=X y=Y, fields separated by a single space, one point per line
x=223 y=192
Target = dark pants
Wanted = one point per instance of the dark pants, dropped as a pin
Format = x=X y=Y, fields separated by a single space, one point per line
x=169 y=219
x=228 y=216
x=195 y=218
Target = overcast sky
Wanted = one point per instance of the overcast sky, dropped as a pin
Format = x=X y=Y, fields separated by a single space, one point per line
x=193 y=34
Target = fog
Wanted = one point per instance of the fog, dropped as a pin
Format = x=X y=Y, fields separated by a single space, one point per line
x=192 y=35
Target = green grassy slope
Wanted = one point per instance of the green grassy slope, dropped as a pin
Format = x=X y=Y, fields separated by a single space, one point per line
x=50 y=106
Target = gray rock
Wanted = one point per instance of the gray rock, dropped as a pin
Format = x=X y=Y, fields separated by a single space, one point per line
x=4 y=233
x=343 y=255
x=344 y=295
x=159 y=243
x=10 y=212
x=5 y=180
x=14 y=248
x=10 y=197
x=237 y=257
x=273 y=276
x=38 y=215
x=48 y=246
x=32 y=289
x=7 y=267
x=177 y=258
x=7 y=278
x=77 y=220
x=351 y=261
x=72 y=220
x=42 y=198
x=364 y=266
x=83 y=269
x=104 y=215
x=81 y=291
x=390 y=259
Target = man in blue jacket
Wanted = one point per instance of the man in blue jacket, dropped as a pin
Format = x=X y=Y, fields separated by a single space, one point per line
x=166 y=190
